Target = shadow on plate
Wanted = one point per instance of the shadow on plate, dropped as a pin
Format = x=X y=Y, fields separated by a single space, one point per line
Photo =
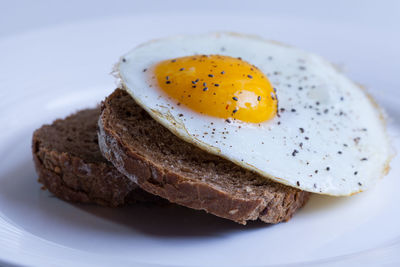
x=319 y=203
x=20 y=190
x=168 y=220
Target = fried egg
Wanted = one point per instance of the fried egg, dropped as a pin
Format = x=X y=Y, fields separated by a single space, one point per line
x=283 y=113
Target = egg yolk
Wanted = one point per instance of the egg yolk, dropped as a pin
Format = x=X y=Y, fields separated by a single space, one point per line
x=219 y=86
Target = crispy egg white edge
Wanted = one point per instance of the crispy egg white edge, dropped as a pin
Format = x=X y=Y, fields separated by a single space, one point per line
x=166 y=120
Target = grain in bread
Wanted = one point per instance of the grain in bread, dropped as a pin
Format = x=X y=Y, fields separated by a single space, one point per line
x=69 y=163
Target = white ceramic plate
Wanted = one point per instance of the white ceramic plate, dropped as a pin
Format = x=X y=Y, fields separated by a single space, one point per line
x=50 y=73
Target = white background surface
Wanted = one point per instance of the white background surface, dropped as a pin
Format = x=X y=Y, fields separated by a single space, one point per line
x=24 y=15
x=55 y=57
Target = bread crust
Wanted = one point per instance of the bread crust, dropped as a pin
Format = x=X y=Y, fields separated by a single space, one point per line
x=73 y=178
x=273 y=206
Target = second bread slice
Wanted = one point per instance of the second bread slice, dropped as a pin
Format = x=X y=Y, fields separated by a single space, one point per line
x=69 y=164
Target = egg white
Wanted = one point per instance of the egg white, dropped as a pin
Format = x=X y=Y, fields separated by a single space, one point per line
x=329 y=138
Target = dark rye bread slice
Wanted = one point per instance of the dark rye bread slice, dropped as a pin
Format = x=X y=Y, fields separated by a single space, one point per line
x=69 y=163
x=164 y=165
